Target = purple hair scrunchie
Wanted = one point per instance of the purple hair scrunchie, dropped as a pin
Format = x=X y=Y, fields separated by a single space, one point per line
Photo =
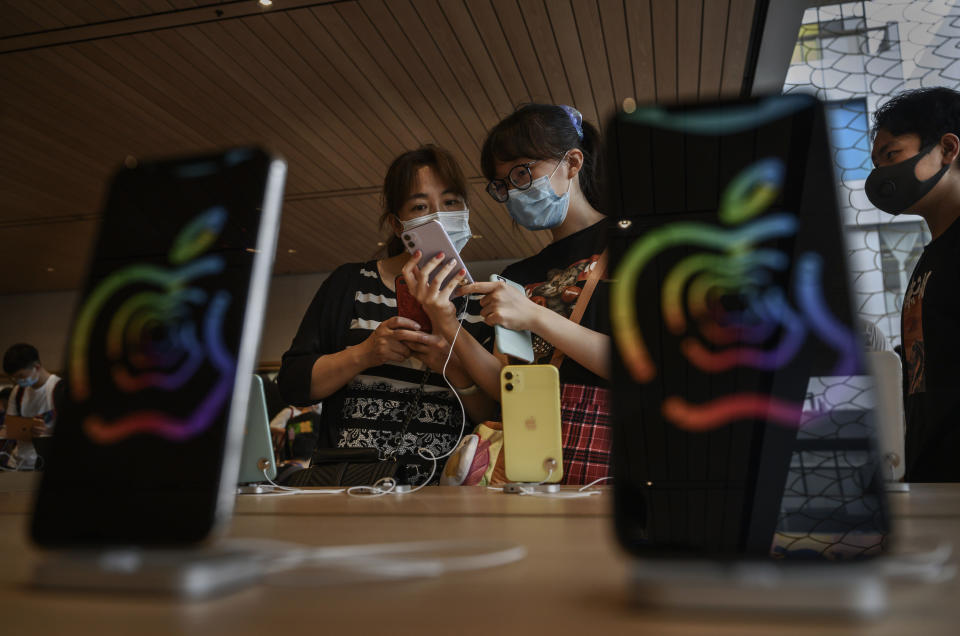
x=575 y=118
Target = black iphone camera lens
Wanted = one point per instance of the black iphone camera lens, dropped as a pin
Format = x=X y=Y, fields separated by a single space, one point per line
x=508 y=386
x=508 y=375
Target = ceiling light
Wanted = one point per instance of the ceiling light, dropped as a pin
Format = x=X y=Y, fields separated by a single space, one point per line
x=477 y=236
x=380 y=243
x=50 y=269
x=291 y=251
x=266 y=3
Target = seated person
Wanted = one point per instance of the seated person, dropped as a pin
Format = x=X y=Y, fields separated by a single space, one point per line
x=33 y=395
x=377 y=373
x=290 y=422
x=915 y=150
x=301 y=450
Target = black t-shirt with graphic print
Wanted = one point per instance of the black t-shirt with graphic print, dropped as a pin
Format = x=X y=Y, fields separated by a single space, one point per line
x=931 y=348
x=554 y=278
x=369 y=410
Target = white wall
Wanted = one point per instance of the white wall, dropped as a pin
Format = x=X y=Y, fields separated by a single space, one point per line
x=43 y=319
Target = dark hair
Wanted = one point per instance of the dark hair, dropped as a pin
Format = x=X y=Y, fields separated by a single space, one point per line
x=546 y=131
x=929 y=113
x=18 y=357
x=401 y=178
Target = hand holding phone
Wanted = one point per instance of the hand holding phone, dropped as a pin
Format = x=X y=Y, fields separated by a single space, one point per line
x=511 y=342
x=431 y=239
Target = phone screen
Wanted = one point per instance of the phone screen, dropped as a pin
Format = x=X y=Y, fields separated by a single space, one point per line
x=154 y=352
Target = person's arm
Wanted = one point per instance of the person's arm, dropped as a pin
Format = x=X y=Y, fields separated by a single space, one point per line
x=478 y=364
x=506 y=306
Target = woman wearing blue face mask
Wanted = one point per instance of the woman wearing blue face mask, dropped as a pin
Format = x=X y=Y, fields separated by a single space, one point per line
x=378 y=374
x=543 y=164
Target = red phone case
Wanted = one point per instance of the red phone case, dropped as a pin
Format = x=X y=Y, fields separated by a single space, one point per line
x=408 y=307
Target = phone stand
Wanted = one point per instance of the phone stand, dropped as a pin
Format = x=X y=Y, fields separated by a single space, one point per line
x=190 y=574
x=852 y=589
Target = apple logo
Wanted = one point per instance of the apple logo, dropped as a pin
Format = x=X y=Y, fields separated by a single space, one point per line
x=155 y=330
x=531 y=423
x=726 y=300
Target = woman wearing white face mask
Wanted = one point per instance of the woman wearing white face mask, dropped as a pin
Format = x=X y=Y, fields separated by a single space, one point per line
x=377 y=373
x=543 y=163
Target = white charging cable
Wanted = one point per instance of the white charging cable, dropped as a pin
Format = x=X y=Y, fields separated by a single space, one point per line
x=530 y=490
x=379 y=561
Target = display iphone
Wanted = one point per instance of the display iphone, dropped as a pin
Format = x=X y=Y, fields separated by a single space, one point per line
x=257 y=462
x=517 y=344
x=532 y=443
x=409 y=307
x=162 y=346
x=431 y=239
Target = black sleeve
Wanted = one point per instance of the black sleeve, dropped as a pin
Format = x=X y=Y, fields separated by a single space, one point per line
x=322 y=331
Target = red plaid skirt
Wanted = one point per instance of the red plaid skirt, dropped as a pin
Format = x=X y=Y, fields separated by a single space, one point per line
x=585 y=417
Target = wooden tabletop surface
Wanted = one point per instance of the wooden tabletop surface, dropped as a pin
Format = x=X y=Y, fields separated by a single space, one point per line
x=573 y=580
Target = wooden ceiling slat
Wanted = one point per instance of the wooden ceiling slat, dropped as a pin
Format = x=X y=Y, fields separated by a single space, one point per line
x=689 y=30
x=711 y=48
x=256 y=79
x=350 y=86
x=14 y=21
x=664 y=21
x=217 y=98
x=47 y=16
x=540 y=32
x=478 y=58
x=511 y=20
x=311 y=65
x=267 y=111
x=338 y=89
x=341 y=149
x=640 y=37
x=590 y=27
x=497 y=46
x=385 y=40
x=81 y=99
x=617 y=49
x=434 y=61
x=101 y=84
x=366 y=76
x=735 y=52
x=567 y=34
x=462 y=72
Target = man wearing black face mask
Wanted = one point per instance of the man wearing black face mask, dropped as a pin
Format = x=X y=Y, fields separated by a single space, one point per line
x=915 y=152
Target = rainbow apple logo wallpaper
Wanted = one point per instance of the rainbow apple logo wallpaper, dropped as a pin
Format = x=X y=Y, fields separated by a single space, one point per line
x=765 y=331
x=161 y=329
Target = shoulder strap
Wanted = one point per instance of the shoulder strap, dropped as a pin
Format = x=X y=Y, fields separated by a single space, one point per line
x=598 y=272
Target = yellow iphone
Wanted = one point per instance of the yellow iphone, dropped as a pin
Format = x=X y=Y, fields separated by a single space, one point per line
x=532 y=444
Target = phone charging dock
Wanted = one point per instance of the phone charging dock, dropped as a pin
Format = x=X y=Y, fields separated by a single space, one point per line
x=185 y=573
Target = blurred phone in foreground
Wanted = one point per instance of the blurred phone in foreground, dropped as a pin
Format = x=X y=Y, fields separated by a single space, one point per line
x=147 y=445
x=532 y=442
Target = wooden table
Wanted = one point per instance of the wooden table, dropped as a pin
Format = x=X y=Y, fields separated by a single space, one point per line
x=573 y=580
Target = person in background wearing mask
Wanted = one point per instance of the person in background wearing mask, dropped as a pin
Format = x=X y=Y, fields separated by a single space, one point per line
x=32 y=396
x=915 y=150
x=378 y=374
x=543 y=163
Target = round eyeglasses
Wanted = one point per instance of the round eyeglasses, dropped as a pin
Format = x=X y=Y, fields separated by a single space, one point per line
x=519 y=177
